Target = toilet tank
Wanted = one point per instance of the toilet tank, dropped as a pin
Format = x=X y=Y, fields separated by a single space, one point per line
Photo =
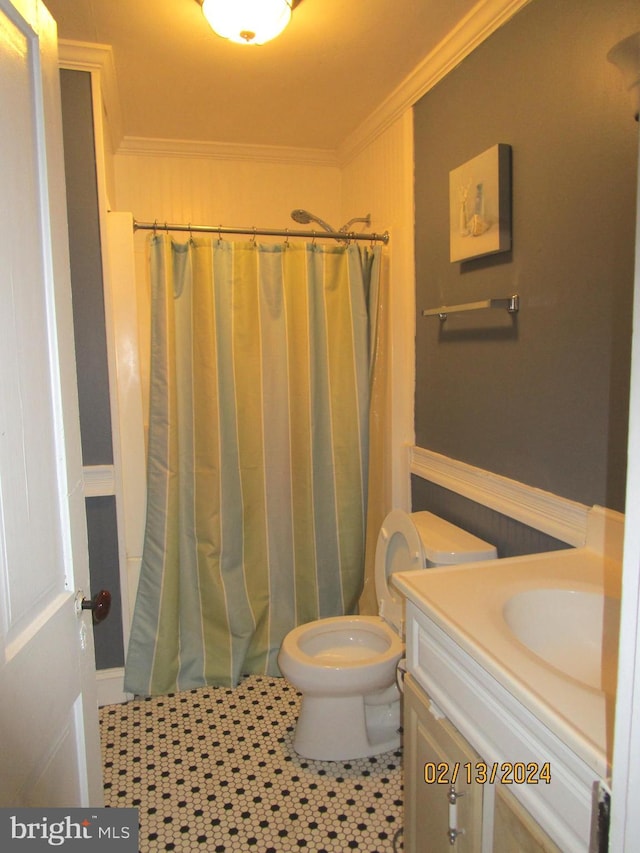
x=419 y=540
x=444 y=544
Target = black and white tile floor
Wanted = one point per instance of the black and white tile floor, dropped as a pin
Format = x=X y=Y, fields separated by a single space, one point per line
x=214 y=770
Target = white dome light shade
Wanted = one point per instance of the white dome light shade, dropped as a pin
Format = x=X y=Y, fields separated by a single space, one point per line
x=247 y=21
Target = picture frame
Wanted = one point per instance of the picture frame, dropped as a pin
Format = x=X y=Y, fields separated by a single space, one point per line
x=480 y=205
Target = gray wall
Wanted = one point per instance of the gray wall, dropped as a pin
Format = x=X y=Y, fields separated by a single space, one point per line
x=86 y=267
x=542 y=398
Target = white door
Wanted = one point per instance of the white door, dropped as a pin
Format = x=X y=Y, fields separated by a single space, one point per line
x=49 y=745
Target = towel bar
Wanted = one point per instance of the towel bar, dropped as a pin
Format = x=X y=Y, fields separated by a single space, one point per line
x=511 y=303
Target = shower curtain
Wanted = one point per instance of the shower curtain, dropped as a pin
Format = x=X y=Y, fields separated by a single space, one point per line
x=257 y=454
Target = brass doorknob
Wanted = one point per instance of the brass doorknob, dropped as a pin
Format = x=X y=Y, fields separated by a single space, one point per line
x=100 y=605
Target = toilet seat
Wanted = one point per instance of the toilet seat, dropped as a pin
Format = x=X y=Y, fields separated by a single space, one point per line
x=356 y=653
x=344 y=641
x=399 y=549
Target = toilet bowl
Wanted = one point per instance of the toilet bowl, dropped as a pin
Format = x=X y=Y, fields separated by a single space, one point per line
x=345 y=666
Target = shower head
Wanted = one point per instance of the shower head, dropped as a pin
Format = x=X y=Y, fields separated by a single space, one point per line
x=303 y=217
x=366 y=220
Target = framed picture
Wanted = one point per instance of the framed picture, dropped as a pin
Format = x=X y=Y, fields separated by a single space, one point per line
x=480 y=205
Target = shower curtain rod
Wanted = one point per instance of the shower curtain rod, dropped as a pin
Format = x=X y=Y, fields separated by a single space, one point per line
x=343 y=236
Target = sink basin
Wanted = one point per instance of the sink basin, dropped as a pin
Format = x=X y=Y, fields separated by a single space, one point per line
x=574 y=631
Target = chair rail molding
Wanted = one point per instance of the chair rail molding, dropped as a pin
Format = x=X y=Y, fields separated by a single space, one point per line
x=559 y=517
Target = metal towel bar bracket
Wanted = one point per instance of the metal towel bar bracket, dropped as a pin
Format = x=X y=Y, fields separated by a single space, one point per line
x=511 y=303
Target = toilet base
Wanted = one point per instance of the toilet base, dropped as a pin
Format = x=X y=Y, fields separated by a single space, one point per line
x=340 y=728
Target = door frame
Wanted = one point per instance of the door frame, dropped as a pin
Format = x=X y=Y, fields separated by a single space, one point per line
x=125 y=479
x=625 y=782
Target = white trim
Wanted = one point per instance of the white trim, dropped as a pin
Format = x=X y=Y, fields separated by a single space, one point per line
x=559 y=517
x=228 y=151
x=122 y=329
x=605 y=532
x=110 y=685
x=482 y=21
x=625 y=815
x=86 y=56
x=99 y=480
x=401 y=317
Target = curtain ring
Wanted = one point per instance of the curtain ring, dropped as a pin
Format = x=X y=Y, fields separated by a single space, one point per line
x=155 y=227
x=286 y=241
x=166 y=227
x=313 y=239
x=219 y=234
x=253 y=239
x=190 y=235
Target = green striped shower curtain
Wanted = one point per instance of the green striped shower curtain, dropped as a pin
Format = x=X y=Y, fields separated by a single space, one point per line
x=257 y=457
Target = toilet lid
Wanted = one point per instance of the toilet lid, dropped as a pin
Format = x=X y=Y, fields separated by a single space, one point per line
x=399 y=549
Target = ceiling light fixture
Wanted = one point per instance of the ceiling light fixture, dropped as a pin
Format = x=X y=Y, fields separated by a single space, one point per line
x=248 y=21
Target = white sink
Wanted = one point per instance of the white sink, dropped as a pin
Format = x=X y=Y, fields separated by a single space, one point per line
x=574 y=631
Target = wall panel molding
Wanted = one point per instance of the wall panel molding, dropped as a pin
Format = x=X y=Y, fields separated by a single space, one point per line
x=559 y=517
x=99 y=480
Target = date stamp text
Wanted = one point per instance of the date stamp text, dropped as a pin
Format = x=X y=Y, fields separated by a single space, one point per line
x=482 y=773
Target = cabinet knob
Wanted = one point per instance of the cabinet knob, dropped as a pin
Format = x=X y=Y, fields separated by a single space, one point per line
x=453 y=795
x=453 y=834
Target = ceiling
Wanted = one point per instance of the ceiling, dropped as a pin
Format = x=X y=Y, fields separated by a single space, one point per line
x=310 y=88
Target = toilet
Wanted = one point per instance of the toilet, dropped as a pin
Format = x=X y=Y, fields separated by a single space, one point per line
x=345 y=666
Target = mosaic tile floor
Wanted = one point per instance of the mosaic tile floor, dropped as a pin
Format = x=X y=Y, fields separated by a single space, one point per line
x=213 y=770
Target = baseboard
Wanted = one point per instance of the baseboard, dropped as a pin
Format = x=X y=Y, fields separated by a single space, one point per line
x=110 y=687
x=559 y=517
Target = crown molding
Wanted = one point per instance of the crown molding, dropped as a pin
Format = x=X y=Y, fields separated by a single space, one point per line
x=228 y=151
x=87 y=56
x=482 y=20
x=485 y=18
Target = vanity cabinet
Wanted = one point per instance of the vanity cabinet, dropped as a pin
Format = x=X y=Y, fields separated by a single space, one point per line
x=462 y=814
x=458 y=714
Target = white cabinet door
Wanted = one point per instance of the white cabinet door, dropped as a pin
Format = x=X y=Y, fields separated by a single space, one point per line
x=49 y=746
x=440 y=815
